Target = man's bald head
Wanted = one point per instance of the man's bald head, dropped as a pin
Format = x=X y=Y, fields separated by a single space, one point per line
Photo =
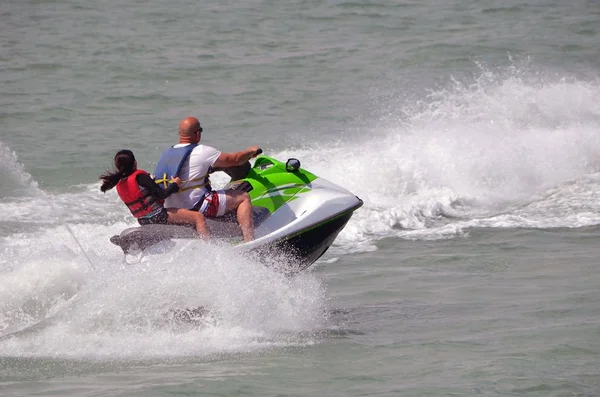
x=189 y=130
x=188 y=126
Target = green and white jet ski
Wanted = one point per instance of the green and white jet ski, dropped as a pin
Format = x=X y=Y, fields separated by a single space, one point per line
x=295 y=213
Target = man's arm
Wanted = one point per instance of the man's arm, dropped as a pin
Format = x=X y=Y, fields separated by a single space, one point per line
x=236 y=158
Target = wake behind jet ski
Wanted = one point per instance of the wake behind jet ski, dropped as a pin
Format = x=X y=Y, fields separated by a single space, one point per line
x=295 y=212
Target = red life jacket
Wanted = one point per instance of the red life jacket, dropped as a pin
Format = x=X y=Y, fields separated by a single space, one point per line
x=139 y=203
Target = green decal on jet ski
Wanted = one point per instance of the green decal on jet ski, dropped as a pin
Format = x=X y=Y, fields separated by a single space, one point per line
x=274 y=186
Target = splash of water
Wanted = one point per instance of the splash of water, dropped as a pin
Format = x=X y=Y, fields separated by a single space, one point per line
x=469 y=151
x=129 y=314
x=14 y=181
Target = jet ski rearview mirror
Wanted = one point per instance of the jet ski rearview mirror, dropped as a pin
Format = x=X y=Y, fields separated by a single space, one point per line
x=292 y=165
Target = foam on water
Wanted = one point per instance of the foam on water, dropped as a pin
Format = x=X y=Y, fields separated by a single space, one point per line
x=128 y=314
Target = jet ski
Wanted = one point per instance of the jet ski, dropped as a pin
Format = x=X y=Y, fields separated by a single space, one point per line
x=295 y=213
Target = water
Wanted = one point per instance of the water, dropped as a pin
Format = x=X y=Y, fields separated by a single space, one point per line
x=470 y=130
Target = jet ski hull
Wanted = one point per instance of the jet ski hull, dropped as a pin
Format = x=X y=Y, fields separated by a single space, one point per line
x=307 y=247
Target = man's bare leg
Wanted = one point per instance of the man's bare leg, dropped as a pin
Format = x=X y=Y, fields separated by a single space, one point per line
x=240 y=201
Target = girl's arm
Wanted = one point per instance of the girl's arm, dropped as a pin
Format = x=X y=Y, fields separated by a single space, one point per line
x=153 y=189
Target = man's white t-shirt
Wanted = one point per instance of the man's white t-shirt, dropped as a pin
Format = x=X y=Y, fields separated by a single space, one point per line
x=196 y=166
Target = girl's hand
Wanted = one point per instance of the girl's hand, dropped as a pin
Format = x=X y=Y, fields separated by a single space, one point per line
x=177 y=180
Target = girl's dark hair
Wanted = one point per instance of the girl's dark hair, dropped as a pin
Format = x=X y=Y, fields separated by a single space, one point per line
x=124 y=160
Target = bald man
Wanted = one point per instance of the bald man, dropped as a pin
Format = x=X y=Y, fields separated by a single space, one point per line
x=191 y=162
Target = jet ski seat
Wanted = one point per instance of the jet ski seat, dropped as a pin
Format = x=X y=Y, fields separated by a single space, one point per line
x=142 y=237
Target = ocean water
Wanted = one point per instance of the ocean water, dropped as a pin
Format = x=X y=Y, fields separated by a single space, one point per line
x=471 y=130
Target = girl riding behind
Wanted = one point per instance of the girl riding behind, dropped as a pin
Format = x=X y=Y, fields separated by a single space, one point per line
x=145 y=198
